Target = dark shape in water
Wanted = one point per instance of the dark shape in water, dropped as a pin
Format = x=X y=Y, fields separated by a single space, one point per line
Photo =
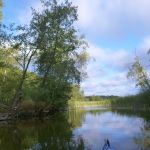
x=107 y=145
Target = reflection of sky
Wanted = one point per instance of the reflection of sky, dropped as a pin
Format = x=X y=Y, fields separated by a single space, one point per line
x=120 y=130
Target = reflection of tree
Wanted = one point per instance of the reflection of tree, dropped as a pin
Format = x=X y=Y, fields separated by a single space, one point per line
x=18 y=137
x=132 y=113
x=10 y=138
x=71 y=145
x=76 y=117
x=143 y=141
x=97 y=112
x=55 y=133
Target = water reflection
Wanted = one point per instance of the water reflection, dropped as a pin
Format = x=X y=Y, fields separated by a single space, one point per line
x=80 y=130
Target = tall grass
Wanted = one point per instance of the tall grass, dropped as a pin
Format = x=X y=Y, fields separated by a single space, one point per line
x=140 y=101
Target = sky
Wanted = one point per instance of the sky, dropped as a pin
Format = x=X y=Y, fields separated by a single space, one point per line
x=115 y=30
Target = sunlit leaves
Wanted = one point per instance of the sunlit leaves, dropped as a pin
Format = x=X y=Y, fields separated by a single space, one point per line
x=1 y=5
x=138 y=73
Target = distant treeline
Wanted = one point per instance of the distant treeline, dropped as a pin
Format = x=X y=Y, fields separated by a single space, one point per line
x=97 y=98
x=140 y=101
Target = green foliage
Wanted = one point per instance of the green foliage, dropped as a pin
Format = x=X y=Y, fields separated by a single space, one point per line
x=76 y=94
x=54 y=94
x=1 y=5
x=52 y=45
x=58 y=42
x=140 y=101
x=59 y=64
x=8 y=84
x=8 y=76
x=94 y=98
x=138 y=73
x=141 y=78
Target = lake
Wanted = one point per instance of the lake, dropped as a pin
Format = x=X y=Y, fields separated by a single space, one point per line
x=84 y=129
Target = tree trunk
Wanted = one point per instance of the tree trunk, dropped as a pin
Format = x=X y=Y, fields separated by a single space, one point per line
x=19 y=93
x=17 y=97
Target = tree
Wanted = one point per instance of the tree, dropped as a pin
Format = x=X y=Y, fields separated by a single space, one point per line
x=8 y=69
x=22 y=44
x=59 y=62
x=1 y=5
x=8 y=75
x=18 y=45
x=57 y=36
x=138 y=73
x=51 y=44
x=76 y=94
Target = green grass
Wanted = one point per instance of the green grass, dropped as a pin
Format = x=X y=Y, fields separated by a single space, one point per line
x=140 y=102
x=86 y=103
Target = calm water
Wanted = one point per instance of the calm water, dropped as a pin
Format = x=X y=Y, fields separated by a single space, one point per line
x=79 y=130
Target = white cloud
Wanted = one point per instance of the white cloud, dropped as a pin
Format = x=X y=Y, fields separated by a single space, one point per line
x=114 y=18
x=108 y=18
x=107 y=74
x=119 y=59
x=117 y=84
x=145 y=46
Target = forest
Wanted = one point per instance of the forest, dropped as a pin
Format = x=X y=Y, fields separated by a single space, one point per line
x=42 y=62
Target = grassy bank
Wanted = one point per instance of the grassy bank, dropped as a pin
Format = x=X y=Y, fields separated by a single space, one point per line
x=86 y=103
x=139 y=102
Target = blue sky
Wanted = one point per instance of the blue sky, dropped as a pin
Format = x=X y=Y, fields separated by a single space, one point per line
x=113 y=30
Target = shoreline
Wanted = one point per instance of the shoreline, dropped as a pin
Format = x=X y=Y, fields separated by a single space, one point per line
x=23 y=115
